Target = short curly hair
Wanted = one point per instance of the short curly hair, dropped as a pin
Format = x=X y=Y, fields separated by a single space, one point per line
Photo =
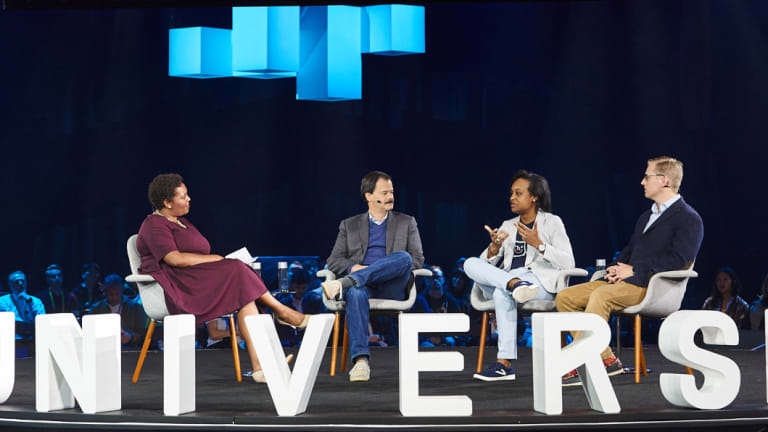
x=163 y=187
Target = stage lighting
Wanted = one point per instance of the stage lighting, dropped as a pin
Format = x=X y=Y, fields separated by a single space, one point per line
x=265 y=41
x=199 y=52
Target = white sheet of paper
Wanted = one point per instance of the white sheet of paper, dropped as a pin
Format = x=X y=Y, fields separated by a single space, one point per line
x=243 y=255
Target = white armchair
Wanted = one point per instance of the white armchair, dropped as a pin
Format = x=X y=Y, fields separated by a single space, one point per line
x=376 y=304
x=481 y=303
x=664 y=296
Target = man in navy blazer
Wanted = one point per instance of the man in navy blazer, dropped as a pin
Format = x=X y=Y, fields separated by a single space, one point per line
x=666 y=237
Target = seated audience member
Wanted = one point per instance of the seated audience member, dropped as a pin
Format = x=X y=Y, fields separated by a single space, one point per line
x=23 y=305
x=53 y=297
x=666 y=237
x=433 y=300
x=459 y=287
x=132 y=318
x=299 y=299
x=758 y=307
x=458 y=293
x=312 y=267
x=725 y=297
x=88 y=291
x=219 y=335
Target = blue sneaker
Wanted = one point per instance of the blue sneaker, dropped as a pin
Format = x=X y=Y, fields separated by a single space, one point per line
x=496 y=372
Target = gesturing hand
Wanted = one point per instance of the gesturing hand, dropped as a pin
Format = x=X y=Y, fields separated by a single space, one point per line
x=529 y=235
x=497 y=238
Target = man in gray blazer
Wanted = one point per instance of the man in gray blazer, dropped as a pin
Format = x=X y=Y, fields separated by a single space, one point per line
x=376 y=252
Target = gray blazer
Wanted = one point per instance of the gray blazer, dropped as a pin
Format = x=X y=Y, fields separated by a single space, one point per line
x=352 y=241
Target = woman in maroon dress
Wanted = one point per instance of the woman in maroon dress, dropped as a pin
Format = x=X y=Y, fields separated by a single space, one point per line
x=196 y=282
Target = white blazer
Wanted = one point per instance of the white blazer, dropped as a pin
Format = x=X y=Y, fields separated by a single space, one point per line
x=557 y=256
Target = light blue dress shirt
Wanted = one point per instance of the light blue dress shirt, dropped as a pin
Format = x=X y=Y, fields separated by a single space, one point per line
x=656 y=212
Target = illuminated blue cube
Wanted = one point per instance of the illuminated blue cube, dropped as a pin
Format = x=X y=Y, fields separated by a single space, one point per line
x=330 y=65
x=199 y=52
x=393 y=29
x=265 y=41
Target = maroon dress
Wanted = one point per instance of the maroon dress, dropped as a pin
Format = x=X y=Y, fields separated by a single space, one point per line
x=207 y=290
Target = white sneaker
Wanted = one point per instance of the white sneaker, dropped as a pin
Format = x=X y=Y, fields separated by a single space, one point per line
x=332 y=289
x=361 y=371
x=524 y=291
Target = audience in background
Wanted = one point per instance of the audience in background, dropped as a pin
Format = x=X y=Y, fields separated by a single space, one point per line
x=312 y=267
x=725 y=297
x=459 y=287
x=298 y=298
x=53 y=296
x=758 y=307
x=23 y=305
x=88 y=291
x=132 y=318
x=219 y=335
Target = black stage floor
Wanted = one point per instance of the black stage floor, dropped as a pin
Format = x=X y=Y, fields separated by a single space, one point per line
x=337 y=404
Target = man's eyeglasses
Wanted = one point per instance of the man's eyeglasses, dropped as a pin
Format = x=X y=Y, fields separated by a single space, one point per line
x=647 y=176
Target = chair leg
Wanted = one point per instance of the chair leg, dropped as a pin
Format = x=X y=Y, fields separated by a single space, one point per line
x=235 y=352
x=345 y=346
x=618 y=336
x=144 y=348
x=638 y=348
x=482 y=342
x=335 y=345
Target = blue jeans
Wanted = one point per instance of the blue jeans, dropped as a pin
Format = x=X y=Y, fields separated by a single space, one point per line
x=385 y=276
x=493 y=281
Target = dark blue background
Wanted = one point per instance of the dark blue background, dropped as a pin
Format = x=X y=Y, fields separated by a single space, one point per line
x=581 y=92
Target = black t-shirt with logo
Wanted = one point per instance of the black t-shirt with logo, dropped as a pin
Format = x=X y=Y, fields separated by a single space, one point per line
x=518 y=258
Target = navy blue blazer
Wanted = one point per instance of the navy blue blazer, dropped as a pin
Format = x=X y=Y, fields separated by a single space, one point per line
x=671 y=243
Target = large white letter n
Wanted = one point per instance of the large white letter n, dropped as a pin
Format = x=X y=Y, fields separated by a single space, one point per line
x=73 y=363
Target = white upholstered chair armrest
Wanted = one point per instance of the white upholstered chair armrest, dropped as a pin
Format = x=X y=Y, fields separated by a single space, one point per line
x=145 y=278
x=668 y=280
x=675 y=274
x=664 y=294
x=422 y=272
x=326 y=274
x=565 y=275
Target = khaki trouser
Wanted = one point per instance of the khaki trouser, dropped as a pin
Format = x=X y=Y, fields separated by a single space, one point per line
x=600 y=298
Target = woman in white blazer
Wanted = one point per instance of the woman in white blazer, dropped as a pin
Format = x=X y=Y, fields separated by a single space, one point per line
x=534 y=248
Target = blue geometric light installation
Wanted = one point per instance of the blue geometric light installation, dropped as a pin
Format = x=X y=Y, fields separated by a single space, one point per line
x=330 y=66
x=265 y=41
x=393 y=29
x=320 y=45
x=199 y=52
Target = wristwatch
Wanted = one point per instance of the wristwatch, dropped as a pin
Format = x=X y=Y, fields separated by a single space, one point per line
x=542 y=247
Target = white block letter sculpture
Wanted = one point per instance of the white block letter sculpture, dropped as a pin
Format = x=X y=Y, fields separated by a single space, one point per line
x=7 y=354
x=412 y=362
x=722 y=377
x=550 y=362
x=290 y=392
x=77 y=363
x=179 y=364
